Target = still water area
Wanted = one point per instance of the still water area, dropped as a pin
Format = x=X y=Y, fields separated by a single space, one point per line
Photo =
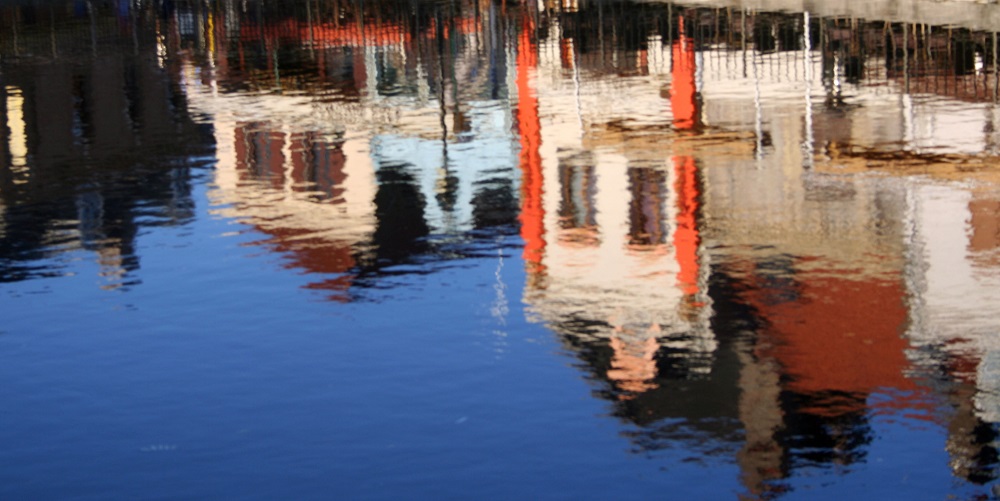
x=343 y=249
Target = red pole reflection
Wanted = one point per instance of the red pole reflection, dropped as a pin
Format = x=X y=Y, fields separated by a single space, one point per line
x=686 y=235
x=684 y=106
x=530 y=129
x=683 y=101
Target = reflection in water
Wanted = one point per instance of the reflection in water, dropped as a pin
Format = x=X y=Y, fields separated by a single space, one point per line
x=93 y=151
x=760 y=233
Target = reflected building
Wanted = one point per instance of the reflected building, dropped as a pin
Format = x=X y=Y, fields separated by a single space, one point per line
x=90 y=149
x=619 y=270
x=953 y=241
x=361 y=147
x=716 y=207
x=616 y=263
x=720 y=179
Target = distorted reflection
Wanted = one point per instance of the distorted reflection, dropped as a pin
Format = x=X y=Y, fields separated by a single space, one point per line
x=92 y=151
x=759 y=232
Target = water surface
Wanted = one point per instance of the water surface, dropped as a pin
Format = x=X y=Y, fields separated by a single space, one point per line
x=316 y=249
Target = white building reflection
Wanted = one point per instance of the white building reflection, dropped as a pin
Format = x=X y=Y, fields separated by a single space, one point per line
x=305 y=164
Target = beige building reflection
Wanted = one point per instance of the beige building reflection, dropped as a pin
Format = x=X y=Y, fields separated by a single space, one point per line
x=620 y=217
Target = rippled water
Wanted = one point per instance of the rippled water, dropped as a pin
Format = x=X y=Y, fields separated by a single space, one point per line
x=330 y=249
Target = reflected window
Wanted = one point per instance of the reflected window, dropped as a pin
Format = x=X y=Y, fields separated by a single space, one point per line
x=259 y=152
x=318 y=165
x=647 y=220
x=577 y=210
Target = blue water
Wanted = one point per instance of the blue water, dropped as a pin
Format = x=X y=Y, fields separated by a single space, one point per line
x=323 y=250
x=203 y=382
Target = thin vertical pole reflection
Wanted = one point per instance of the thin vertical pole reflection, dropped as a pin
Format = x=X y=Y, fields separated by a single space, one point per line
x=529 y=127
x=807 y=146
x=93 y=27
x=758 y=127
x=906 y=58
x=309 y=21
x=576 y=88
x=14 y=23
x=743 y=39
x=52 y=32
x=996 y=71
x=134 y=21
